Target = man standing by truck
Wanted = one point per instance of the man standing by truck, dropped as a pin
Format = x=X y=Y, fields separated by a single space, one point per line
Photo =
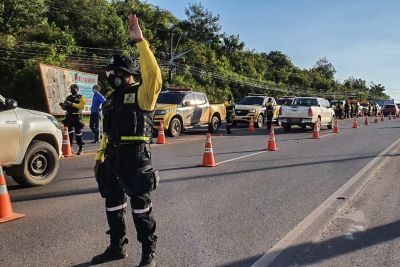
x=74 y=104
x=95 y=112
x=270 y=112
x=230 y=113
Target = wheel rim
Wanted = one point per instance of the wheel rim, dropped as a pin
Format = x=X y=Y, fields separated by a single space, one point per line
x=215 y=123
x=176 y=127
x=260 y=121
x=39 y=164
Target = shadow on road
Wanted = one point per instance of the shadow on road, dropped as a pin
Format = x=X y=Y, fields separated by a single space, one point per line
x=245 y=262
x=311 y=253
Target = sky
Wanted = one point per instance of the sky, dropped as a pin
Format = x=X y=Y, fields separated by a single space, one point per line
x=359 y=37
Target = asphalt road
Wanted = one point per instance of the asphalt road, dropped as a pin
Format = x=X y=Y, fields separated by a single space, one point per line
x=223 y=216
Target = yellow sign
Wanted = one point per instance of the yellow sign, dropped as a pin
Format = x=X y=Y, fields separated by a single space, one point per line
x=129 y=98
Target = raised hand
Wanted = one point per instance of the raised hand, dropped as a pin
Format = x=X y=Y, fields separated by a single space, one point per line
x=134 y=29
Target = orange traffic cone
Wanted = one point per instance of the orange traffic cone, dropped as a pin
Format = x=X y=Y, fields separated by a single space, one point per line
x=66 y=145
x=355 y=123
x=6 y=212
x=251 y=125
x=272 y=142
x=382 y=118
x=366 y=121
x=376 y=119
x=161 y=135
x=336 y=126
x=316 y=131
x=208 y=157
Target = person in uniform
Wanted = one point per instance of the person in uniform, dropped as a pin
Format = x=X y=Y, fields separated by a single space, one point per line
x=346 y=109
x=270 y=112
x=230 y=113
x=95 y=112
x=73 y=105
x=123 y=163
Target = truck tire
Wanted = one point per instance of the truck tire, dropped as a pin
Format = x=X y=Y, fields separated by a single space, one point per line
x=175 y=127
x=213 y=126
x=260 y=121
x=40 y=165
x=286 y=127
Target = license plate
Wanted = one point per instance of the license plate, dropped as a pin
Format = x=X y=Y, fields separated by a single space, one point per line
x=296 y=120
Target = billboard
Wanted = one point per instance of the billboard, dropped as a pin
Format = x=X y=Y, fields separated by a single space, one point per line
x=56 y=82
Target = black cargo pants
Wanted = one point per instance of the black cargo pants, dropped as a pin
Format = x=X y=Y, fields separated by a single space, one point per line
x=125 y=163
x=75 y=126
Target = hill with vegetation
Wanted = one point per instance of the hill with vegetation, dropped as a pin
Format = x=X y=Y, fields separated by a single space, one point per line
x=194 y=52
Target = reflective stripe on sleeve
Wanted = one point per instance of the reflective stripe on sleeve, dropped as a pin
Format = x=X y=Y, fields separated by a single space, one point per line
x=139 y=211
x=119 y=207
x=78 y=134
x=71 y=132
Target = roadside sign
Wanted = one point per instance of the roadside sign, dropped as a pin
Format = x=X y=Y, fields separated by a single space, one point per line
x=56 y=82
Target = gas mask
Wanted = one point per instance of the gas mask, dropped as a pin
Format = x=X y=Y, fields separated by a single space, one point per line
x=117 y=79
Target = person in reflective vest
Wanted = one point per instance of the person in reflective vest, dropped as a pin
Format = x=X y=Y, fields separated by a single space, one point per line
x=270 y=112
x=346 y=110
x=73 y=105
x=230 y=113
x=123 y=163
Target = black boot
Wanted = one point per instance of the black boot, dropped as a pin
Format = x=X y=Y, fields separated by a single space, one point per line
x=148 y=260
x=112 y=253
x=148 y=252
x=80 y=149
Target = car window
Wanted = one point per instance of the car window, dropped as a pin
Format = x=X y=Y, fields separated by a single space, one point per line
x=170 y=98
x=252 y=100
x=305 y=102
x=199 y=99
x=189 y=98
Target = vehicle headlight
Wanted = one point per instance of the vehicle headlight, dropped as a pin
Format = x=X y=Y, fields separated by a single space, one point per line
x=252 y=111
x=163 y=111
x=54 y=121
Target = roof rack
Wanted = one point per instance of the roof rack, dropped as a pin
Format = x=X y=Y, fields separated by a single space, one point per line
x=178 y=89
x=255 y=94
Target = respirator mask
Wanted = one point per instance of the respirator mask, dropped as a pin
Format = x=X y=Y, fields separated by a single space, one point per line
x=117 y=79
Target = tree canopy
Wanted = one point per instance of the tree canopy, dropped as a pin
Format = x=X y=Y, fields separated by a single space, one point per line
x=83 y=34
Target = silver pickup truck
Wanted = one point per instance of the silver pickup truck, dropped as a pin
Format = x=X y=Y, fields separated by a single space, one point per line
x=30 y=144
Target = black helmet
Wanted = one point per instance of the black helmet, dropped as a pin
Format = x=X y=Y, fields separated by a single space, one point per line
x=74 y=85
x=121 y=62
x=269 y=99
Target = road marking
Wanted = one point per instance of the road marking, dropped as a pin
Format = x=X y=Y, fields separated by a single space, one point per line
x=299 y=229
x=325 y=135
x=245 y=156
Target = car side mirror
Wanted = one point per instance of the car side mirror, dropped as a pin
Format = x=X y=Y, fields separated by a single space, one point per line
x=11 y=103
x=187 y=103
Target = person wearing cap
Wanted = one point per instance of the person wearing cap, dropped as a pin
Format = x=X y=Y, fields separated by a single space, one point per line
x=230 y=113
x=123 y=163
x=270 y=112
x=73 y=105
x=95 y=112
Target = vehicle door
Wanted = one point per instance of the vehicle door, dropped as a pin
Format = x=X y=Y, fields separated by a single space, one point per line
x=188 y=106
x=201 y=111
x=325 y=112
x=9 y=134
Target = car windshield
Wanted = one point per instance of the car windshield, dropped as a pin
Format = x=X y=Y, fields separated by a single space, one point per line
x=284 y=101
x=170 y=98
x=305 y=102
x=364 y=104
x=252 y=100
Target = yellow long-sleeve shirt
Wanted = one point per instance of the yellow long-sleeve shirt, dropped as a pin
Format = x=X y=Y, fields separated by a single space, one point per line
x=149 y=89
x=81 y=104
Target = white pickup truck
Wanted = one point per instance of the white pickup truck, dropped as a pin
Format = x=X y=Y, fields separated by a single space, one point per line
x=30 y=144
x=305 y=111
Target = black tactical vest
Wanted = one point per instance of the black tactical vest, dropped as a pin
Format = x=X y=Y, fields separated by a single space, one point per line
x=74 y=100
x=124 y=122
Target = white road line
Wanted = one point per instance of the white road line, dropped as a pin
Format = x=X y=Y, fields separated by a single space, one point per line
x=290 y=237
x=325 y=135
x=245 y=156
